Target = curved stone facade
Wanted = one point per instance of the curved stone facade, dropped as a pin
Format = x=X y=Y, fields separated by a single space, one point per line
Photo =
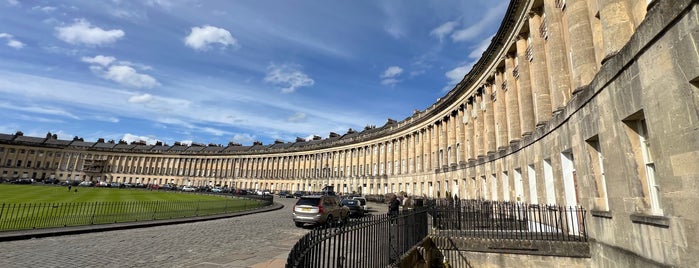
x=587 y=103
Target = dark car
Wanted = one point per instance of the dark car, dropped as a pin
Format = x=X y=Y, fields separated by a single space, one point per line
x=354 y=206
x=298 y=194
x=286 y=194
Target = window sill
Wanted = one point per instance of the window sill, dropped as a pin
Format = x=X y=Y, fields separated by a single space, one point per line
x=607 y=214
x=653 y=220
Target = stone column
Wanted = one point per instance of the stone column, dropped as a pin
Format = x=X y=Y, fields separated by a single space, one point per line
x=479 y=127
x=556 y=55
x=582 y=47
x=510 y=92
x=454 y=136
x=617 y=25
x=460 y=139
x=489 y=122
x=497 y=97
x=470 y=136
x=539 y=70
x=524 y=87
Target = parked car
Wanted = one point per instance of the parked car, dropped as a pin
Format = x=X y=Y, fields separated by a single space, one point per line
x=86 y=184
x=299 y=194
x=286 y=194
x=319 y=209
x=355 y=208
x=362 y=202
x=188 y=189
x=216 y=190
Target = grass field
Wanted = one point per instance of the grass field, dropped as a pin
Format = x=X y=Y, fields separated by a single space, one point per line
x=39 y=193
x=49 y=206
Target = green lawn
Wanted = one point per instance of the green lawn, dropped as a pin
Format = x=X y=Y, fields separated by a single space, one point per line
x=48 y=206
x=22 y=194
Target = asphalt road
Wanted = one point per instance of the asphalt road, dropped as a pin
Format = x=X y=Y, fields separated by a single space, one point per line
x=257 y=240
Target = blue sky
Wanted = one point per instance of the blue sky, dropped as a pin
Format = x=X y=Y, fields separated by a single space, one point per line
x=217 y=71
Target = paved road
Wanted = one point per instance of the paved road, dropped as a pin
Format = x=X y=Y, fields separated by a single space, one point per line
x=257 y=240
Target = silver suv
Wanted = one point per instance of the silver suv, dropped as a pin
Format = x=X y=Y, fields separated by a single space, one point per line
x=319 y=209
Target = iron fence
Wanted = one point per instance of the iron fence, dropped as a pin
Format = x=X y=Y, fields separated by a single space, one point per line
x=51 y=215
x=507 y=220
x=370 y=241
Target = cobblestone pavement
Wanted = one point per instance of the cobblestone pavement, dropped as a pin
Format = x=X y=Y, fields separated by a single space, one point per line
x=257 y=240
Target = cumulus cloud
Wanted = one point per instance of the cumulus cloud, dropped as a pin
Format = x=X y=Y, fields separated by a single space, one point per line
x=99 y=59
x=13 y=2
x=243 y=138
x=201 y=38
x=82 y=32
x=389 y=76
x=121 y=72
x=297 y=117
x=444 y=29
x=287 y=76
x=11 y=41
x=141 y=98
x=128 y=137
x=392 y=71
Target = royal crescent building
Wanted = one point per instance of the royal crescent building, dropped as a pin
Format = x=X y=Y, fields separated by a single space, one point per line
x=591 y=103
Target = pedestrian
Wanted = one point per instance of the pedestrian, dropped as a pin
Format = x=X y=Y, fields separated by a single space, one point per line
x=393 y=205
x=69 y=186
x=407 y=202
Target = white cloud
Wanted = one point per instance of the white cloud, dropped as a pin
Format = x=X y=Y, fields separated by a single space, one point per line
x=243 y=138
x=202 y=37
x=39 y=110
x=99 y=59
x=489 y=18
x=128 y=137
x=392 y=71
x=481 y=47
x=47 y=9
x=141 y=98
x=214 y=131
x=297 y=117
x=13 y=2
x=11 y=41
x=390 y=74
x=444 y=29
x=128 y=76
x=455 y=75
x=82 y=32
x=122 y=72
x=289 y=76
x=389 y=81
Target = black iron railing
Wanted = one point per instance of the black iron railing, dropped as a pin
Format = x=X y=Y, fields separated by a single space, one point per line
x=507 y=220
x=371 y=241
x=51 y=215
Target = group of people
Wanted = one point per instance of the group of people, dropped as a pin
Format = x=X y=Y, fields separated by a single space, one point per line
x=397 y=201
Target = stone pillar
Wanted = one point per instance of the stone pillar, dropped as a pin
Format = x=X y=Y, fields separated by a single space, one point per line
x=452 y=134
x=443 y=126
x=539 y=70
x=497 y=97
x=428 y=150
x=524 y=87
x=617 y=24
x=489 y=122
x=470 y=135
x=510 y=92
x=480 y=126
x=556 y=55
x=582 y=47
x=460 y=137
